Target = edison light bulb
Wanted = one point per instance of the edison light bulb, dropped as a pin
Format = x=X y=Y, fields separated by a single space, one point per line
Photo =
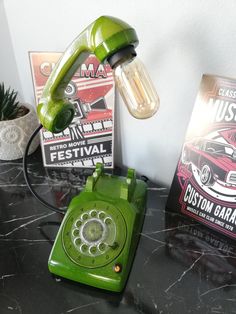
x=136 y=88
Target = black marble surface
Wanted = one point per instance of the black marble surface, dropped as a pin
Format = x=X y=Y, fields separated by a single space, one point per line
x=180 y=266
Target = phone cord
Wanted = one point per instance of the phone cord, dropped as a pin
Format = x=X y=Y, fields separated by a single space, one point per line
x=26 y=175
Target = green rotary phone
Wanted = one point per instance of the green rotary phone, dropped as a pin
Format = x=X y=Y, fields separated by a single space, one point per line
x=97 y=240
x=99 y=234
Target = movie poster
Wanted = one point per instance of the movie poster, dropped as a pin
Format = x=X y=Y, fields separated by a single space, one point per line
x=89 y=138
x=204 y=185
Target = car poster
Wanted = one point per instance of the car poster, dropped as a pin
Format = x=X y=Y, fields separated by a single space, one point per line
x=204 y=185
x=89 y=138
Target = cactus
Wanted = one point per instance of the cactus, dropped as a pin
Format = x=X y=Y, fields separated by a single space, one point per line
x=9 y=105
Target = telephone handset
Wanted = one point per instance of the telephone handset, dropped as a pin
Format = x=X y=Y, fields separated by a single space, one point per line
x=98 y=237
x=110 y=40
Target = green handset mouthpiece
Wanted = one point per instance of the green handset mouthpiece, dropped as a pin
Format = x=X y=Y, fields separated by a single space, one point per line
x=111 y=40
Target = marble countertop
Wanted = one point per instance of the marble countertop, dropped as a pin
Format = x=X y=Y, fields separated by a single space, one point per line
x=180 y=266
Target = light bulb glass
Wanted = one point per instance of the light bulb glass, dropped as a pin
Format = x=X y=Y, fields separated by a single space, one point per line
x=136 y=88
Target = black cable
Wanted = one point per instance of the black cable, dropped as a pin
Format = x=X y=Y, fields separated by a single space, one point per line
x=26 y=175
x=44 y=233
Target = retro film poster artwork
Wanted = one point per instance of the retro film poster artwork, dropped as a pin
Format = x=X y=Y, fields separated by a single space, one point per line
x=89 y=138
x=204 y=185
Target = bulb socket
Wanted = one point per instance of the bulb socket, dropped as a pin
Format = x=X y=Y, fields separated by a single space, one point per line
x=121 y=55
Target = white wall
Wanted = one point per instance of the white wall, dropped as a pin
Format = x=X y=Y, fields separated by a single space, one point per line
x=8 y=67
x=179 y=41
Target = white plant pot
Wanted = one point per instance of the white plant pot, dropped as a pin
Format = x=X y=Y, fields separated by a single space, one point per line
x=15 y=134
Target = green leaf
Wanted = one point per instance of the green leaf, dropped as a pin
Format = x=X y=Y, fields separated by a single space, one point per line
x=9 y=105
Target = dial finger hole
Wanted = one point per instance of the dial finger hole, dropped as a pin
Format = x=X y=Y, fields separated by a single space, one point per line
x=93 y=249
x=93 y=213
x=108 y=221
x=85 y=216
x=102 y=247
x=101 y=215
x=78 y=223
x=77 y=241
x=84 y=248
x=75 y=232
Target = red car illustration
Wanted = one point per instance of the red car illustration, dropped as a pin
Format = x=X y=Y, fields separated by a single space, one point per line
x=215 y=161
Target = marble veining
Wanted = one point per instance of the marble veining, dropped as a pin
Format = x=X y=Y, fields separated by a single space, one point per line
x=82 y=307
x=180 y=266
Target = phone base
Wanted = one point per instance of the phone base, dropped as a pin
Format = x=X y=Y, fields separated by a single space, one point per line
x=98 y=237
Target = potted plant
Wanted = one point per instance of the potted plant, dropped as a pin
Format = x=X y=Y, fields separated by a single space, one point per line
x=17 y=123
